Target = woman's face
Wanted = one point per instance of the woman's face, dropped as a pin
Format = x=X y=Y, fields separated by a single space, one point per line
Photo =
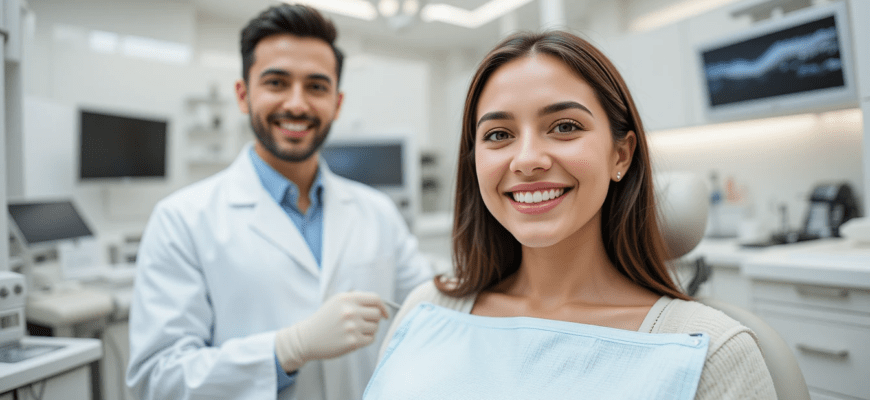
x=543 y=151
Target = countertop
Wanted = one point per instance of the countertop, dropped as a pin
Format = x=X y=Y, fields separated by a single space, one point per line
x=723 y=252
x=829 y=262
x=75 y=352
x=836 y=262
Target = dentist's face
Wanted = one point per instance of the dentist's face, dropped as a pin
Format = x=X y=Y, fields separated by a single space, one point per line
x=291 y=95
x=543 y=151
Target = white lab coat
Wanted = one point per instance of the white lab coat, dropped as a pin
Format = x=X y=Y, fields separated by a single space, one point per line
x=221 y=268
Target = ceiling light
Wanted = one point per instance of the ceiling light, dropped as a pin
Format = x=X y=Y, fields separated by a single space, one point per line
x=351 y=8
x=410 y=7
x=681 y=10
x=388 y=8
x=470 y=19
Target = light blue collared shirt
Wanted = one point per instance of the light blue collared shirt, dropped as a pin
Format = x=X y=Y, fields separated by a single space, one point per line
x=310 y=223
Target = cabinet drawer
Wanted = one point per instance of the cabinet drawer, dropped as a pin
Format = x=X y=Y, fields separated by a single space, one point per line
x=832 y=357
x=844 y=299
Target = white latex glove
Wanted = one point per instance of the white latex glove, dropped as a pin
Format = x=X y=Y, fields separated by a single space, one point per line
x=346 y=322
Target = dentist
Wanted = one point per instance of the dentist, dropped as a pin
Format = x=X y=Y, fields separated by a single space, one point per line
x=267 y=280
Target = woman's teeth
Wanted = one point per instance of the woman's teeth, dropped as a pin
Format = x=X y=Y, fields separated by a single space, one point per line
x=294 y=127
x=537 y=196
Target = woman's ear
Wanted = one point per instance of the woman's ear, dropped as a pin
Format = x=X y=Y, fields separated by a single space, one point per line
x=624 y=153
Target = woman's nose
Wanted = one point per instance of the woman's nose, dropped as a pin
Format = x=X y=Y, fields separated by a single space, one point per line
x=531 y=155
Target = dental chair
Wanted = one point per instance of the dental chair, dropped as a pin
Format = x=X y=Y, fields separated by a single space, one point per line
x=682 y=199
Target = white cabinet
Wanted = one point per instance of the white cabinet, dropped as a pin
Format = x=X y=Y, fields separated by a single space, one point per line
x=827 y=328
x=73 y=384
x=59 y=374
x=817 y=296
x=658 y=79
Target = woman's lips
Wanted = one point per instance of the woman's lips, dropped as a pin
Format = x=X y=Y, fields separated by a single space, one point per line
x=541 y=206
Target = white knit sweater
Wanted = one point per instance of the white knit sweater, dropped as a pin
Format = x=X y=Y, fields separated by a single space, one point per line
x=734 y=368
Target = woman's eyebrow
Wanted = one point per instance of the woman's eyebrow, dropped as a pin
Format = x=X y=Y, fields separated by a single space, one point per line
x=494 y=115
x=565 y=105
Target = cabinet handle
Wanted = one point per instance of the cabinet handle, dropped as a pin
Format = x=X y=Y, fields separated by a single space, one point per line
x=807 y=290
x=806 y=348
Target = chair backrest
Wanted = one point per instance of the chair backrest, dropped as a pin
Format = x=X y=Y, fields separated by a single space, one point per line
x=682 y=199
x=788 y=380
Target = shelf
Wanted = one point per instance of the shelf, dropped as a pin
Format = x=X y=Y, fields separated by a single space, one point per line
x=210 y=101
x=216 y=161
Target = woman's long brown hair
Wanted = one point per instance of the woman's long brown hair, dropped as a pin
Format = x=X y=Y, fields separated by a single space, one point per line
x=485 y=253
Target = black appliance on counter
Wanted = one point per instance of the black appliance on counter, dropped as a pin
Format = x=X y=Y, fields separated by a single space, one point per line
x=831 y=204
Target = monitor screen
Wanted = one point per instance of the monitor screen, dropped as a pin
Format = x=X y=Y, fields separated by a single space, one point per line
x=46 y=222
x=119 y=146
x=798 y=59
x=374 y=164
x=799 y=62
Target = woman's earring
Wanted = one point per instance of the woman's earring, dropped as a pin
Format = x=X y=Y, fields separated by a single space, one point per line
x=618 y=175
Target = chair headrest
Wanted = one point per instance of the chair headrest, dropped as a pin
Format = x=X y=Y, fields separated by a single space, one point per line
x=682 y=202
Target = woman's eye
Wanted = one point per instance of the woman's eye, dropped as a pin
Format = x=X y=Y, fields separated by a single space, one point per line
x=496 y=136
x=565 y=127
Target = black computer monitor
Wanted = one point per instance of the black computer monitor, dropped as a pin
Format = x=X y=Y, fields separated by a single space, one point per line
x=41 y=224
x=116 y=146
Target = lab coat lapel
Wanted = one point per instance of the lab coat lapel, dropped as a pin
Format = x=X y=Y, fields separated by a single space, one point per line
x=268 y=220
x=339 y=216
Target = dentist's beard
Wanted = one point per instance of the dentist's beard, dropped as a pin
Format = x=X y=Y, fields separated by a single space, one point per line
x=264 y=135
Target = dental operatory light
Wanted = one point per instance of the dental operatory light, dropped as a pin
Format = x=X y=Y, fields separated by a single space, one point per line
x=431 y=12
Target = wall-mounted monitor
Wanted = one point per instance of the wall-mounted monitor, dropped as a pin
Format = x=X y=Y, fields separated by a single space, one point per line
x=389 y=164
x=121 y=146
x=800 y=62
x=375 y=163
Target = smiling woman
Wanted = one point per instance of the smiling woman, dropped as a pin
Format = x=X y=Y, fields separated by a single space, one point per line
x=560 y=278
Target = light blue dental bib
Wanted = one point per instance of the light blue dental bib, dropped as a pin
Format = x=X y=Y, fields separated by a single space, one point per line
x=438 y=353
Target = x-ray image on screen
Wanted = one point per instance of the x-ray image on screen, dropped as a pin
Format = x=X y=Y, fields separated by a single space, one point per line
x=798 y=59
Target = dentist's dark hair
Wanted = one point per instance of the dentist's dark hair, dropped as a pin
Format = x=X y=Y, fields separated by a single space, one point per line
x=294 y=19
x=485 y=253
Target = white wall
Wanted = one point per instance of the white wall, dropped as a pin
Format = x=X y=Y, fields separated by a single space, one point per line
x=390 y=89
x=387 y=93
x=771 y=161
x=776 y=160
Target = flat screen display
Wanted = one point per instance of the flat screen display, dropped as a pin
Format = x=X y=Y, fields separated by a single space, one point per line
x=119 y=146
x=378 y=164
x=48 y=221
x=798 y=59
